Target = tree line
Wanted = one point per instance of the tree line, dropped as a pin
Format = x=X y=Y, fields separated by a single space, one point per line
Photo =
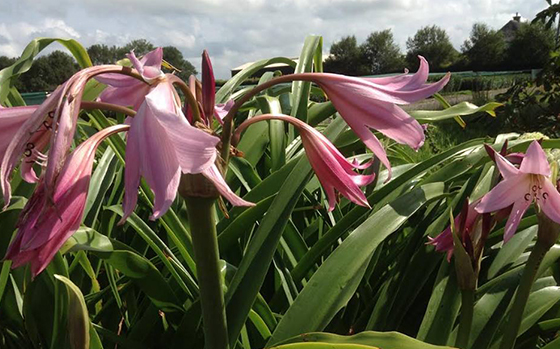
x=486 y=49
x=48 y=71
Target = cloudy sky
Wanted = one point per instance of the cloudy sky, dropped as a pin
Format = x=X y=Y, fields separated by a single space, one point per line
x=238 y=31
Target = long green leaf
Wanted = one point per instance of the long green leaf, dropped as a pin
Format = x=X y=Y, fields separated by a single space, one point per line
x=253 y=268
x=32 y=49
x=384 y=340
x=334 y=283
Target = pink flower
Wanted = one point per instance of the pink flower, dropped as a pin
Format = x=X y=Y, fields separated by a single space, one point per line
x=58 y=114
x=333 y=170
x=44 y=225
x=11 y=120
x=520 y=187
x=128 y=91
x=161 y=145
x=372 y=104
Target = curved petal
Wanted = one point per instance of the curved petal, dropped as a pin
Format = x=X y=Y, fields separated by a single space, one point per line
x=358 y=88
x=550 y=203
x=158 y=160
x=131 y=95
x=194 y=148
x=517 y=212
x=221 y=110
x=150 y=65
x=116 y=80
x=405 y=81
x=505 y=193
x=506 y=168
x=535 y=160
x=19 y=140
x=132 y=167
x=214 y=175
x=45 y=226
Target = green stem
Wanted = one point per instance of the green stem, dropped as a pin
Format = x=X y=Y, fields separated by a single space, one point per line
x=205 y=245
x=228 y=119
x=522 y=294
x=467 y=307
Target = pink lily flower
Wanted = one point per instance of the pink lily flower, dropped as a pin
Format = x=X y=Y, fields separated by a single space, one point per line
x=128 y=91
x=520 y=187
x=11 y=120
x=372 y=104
x=59 y=112
x=29 y=131
x=43 y=228
x=161 y=145
x=334 y=171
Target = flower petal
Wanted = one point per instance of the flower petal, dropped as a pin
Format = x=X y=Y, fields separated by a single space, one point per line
x=506 y=168
x=45 y=226
x=535 y=160
x=519 y=208
x=214 y=175
x=158 y=159
x=194 y=148
x=505 y=193
x=550 y=203
x=405 y=81
x=129 y=95
x=150 y=65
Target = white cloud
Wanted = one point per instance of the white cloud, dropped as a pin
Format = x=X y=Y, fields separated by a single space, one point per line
x=235 y=32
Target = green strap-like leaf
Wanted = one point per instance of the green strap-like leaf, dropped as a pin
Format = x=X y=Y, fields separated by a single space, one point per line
x=384 y=340
x=229 y=87
x=78 y=318
x=300 y=89
x=334 y=283
x=26 y=60
x=462 y=109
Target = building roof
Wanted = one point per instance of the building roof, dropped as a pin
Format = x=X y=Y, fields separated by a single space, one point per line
x=511 y=27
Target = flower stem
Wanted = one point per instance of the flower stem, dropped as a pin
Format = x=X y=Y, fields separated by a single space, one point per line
x=205 y=245
x=522 y=294
x=467 y=307
x=228 y=119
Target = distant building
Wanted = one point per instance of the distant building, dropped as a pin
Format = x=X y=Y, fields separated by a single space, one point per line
x=511 y=28
x=282 y=67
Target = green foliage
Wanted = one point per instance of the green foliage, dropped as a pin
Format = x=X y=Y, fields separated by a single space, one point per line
x=345 y=57
x=485 y=49
x=531 y=46
x=381 y=53
x=433 y=43
x=290 y=266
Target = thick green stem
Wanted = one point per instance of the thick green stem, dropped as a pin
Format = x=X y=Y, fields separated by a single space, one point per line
x=205 y=244
x=467 y=307
x=522 y=294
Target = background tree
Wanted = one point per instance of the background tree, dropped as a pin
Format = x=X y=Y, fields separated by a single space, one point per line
x=103 y=54
x=47 y=72
x=381 y=54
x=140 y=47
x=346 y=57
x=433 y=43
x=485 y=49
x=174 y=57
x=531 y=46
